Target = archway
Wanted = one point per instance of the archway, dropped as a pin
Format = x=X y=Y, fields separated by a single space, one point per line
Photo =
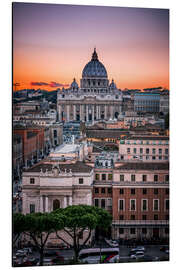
x=56 y=204
x=116 y=115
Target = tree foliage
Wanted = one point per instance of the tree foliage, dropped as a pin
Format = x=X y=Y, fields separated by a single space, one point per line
x=77 y=219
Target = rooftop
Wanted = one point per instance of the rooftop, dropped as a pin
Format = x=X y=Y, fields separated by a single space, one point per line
x=79 y=166
x=144 y=166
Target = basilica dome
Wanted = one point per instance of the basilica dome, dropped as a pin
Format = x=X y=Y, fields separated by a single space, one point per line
x=94 y=68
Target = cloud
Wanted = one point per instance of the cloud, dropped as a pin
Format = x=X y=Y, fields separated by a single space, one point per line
x=38 y=83
x=51 y=84
x=55 y=84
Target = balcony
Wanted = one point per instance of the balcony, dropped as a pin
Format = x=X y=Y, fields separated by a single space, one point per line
x=140 y=222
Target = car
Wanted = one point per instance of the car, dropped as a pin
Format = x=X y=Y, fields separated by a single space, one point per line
x=28 y=250
x=58 y=260
x=21 y=253
x=138 y=248
x=51 y=253
x=46 y=262
x=164 y=248
x=137 y=255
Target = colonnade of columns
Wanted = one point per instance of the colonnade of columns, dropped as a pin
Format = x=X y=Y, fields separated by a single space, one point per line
x=87 y=112
x=46 y=207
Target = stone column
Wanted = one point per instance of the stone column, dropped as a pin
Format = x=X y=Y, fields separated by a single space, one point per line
x=111 y=111
x=93 y=114
x=65 y=201
x=46 y=204
x=59 y=112
x=74 y=112
x=87 y=116
x=41 y=204
x=67 y=117
x=105 y=112
x=70 y=200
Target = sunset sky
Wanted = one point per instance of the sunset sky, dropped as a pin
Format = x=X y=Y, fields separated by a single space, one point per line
x=53 y=43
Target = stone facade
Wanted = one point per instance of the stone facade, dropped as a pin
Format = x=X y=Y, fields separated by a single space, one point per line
x=95 y=99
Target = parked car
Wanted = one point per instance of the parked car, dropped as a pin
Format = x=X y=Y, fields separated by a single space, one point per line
x=51 y=253
x=58 y=260
x=28 y=250
x=21 y=253
x=164 y=248
x=138 y=248
x=111 y=243
x=138 y=254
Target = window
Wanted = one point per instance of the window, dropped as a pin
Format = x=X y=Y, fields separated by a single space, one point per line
x=80 y=180
x=167 y=191
x=160 y=157
x=147 y=150
x=144 y=205
x=153 y=157
x=155 y=178
x=121 y=177
x=132 y=231
x=103 y=190
x=32 y=208
x=56 y=204
x=166 y=151
x=97 y=176
x=96 y=190
x=147 y=157
x=166 y=230
x=132 y=204
x=103 y=176
x=156 y=217
x=144 y=178
x=121 y=205
x=144 y=217
x=167 y=204
x=121 y=217
x=155 y=204
x=32 y=180
x=155 y=191
x=153 y=151
x=141 y=150
x=144 y=230
x=144 y=191
x=103 y=203
x=167 y=178
x=110 y=176
x=128 y=150
x=133 y=191
x=109 y=190
x=134 y=150
x=132 y=217
x=160 y=151
x=96 y=202
x=121 y=191
x=133 y=177
x=121 y=230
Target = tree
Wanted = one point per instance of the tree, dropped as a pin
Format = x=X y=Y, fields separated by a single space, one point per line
x=38 y=226
x=18 y=226
x=77 y=219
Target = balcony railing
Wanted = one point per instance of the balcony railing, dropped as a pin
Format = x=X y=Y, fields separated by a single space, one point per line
x=140 y=222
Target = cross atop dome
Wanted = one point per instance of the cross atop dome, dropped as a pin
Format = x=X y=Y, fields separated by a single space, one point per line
x=94 y=55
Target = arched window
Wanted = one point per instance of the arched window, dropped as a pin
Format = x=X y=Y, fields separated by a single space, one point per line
x=56 y=204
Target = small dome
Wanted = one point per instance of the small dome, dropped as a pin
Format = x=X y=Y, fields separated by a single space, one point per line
x=94 y=68
x=112 y=85
x=74 y=84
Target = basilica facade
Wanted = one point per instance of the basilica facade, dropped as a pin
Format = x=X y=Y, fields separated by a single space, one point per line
x=95 y=99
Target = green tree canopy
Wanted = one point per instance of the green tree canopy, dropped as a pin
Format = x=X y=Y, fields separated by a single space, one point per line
x=78 y=218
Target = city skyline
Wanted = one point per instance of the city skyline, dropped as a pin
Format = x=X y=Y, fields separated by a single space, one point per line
x=52 y=43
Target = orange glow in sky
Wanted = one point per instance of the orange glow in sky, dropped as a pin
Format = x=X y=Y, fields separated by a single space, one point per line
x=53 y=43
